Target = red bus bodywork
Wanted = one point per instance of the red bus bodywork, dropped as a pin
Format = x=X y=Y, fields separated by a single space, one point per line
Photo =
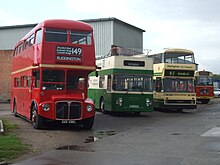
x=50 y=68
x=204 y=86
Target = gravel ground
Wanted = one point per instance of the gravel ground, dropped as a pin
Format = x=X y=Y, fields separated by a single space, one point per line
x=54 y=136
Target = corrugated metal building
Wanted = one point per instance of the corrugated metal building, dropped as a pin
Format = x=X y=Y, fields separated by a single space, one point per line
x=107 y=32
x=10 y=35
x=112 y=31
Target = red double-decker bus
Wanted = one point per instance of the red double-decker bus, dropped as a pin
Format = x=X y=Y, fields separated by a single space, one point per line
x=50 y=68
x=204 y=86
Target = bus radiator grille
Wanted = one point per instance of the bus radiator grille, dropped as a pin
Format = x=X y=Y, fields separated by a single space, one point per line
x=75 y=110
x=68 y=110
x=180 y=102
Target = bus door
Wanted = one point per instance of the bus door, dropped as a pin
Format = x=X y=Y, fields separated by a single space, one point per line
x=35 y=85
x=158 y=88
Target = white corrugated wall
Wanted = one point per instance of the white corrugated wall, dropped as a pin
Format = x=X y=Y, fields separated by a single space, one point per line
x=103 y=34
x=9 y=37
x=127 y=36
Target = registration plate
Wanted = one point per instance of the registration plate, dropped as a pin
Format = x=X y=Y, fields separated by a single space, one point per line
x=68 y=121
x=133 y=106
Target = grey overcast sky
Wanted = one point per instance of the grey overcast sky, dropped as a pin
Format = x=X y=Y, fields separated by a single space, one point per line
x=190 y=24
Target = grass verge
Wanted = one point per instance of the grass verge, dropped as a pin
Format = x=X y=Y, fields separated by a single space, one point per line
x=11 y=146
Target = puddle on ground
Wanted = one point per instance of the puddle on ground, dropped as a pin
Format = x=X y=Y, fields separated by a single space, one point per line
x=91 y=139
x=75 y=148
x=110 y=133
x=176 y=133
x=99 y=135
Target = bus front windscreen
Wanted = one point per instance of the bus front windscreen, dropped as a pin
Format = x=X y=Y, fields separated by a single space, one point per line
x=178 y=85
x=135 y=83
x=53 y=79
x=179 y=58
x=204 y=81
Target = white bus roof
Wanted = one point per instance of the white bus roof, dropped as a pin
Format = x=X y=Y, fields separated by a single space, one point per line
x=172 y=50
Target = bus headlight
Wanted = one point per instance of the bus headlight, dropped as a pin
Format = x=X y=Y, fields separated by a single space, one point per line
x=46 y=107
x=89 y=108
x=119 y=101
x=148 y=102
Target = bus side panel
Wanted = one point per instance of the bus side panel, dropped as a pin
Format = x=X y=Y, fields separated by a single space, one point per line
x=12 y=93
x=108 y=101
x=96 y=95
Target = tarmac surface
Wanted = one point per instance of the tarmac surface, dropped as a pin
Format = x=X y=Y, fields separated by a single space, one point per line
x=157 y=138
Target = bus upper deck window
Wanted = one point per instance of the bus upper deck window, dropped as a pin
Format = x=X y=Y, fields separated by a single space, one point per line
x=38 y=36
x=83 y=38
x=55 y=35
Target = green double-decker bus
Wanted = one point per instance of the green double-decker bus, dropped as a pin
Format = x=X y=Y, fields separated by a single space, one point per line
x=123 y=84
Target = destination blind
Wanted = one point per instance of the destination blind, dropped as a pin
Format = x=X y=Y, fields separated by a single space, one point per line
x=179 y=73
x=134 y=63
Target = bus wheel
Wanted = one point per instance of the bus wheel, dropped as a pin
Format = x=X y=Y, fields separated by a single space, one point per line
x=36 y=119
x=15 y=109
x=102 y=106
x=88 y=123
x=206 y=101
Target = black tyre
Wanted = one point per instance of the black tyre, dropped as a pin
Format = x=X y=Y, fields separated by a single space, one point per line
x=206 y=101
x=102 y=106
x=37 y=120
x=88 y=123
x=15 y=109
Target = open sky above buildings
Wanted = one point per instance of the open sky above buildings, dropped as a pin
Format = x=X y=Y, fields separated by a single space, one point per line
x=190 y=24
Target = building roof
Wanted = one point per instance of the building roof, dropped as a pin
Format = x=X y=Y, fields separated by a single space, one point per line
x=111 y=19
x=18 y=26
x=85 y=20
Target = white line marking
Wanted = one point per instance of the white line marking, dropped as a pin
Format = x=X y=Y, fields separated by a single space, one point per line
x=214 y=132
x=1 y=126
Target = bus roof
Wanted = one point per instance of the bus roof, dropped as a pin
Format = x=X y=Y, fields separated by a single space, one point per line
x=179 y=51
x=61 y=24
x=203 y=73
x=172 y=50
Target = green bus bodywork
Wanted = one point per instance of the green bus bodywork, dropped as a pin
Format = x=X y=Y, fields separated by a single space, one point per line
x=124 y=100
x=130 y=102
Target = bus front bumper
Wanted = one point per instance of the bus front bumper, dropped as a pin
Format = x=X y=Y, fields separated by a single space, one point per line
x=177 y=104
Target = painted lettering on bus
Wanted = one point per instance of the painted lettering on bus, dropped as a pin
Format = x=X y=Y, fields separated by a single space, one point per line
x=178 y=66
x=184 y=73
x=68 y=50
x=69 y=58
